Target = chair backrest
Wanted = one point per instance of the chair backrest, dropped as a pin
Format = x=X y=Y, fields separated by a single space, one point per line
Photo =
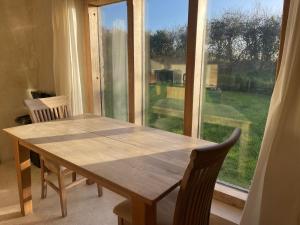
x=47 y=109
x=197 y=187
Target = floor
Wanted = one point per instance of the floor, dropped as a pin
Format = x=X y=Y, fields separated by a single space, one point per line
x=84 y=207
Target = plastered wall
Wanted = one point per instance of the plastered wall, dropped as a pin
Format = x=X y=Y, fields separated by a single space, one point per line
x=26 y=59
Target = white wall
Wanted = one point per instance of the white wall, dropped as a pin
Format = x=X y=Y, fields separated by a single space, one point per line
x=26 y=52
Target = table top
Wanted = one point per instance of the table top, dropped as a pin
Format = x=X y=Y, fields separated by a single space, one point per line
x=132 y=160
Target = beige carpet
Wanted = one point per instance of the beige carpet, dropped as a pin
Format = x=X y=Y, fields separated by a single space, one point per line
x=84 y=207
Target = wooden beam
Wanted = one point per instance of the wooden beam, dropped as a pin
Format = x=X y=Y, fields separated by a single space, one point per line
x=194 y=66
x=135 y=60
x=95 y=59
x=131 y=107
x=101 y=63
x=285 y=15
x=88 y=86
x=102 y=2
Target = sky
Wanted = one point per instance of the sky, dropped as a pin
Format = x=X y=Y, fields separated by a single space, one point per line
x=162 y=14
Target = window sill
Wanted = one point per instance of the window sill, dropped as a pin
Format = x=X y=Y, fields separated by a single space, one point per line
x=227 y=205
x=230 y=196
x=224 y=214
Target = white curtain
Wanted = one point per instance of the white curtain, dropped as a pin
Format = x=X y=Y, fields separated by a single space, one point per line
x=119 y=69
x=69 y=59
x=274 y=197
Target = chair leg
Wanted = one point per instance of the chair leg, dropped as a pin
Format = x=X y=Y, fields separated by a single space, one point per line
x=73 y=176
x=62 y=194
x=100 y=192
x=43 y=181
x=120 y=221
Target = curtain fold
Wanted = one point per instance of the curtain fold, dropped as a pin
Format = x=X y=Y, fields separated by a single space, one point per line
x=274 y=197
x=119 y=69
x=68 y=56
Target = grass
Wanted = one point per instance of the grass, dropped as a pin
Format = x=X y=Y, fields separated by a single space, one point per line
x=239 y=166
x=255 y=109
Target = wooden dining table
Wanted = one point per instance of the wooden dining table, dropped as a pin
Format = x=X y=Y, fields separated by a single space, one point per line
x=140 y=163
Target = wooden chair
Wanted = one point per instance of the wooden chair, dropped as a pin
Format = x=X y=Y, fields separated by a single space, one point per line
x=191 y=204
x=48 y=109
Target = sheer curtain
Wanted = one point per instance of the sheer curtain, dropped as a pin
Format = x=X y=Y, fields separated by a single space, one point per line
x=274 y=197
x=68 y=57
x=119 y=69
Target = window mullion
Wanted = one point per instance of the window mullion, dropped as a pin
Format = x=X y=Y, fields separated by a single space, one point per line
x=135 y=60
x=194 y=70
x=95 y=59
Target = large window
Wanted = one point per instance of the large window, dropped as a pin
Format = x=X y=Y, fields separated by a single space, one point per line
x=166 y=29
x=240 y=66
x=113 y=60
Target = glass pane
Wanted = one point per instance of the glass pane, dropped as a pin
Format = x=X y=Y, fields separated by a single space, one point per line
x=166 y=31
x=114 y=60
x=242 y=49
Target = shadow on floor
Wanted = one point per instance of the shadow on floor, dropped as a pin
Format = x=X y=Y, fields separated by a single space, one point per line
x=9 y=216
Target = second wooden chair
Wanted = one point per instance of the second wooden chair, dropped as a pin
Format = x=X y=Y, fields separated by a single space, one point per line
x=49 y=109
x=190 y=205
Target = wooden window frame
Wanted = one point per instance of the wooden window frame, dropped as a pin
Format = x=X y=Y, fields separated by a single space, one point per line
x=136 y=60
x=88 y=83
x=136 y=70
x=194 y=70
x=96 y=75
x=102 y=2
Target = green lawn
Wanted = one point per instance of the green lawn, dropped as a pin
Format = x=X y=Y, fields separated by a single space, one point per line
x=255 y=109
x=239 y=166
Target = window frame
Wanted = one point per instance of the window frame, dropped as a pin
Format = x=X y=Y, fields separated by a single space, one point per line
x=136 y=85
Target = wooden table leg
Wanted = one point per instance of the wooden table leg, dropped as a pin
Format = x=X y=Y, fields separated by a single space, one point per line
x=23 y=168
x=143 y=214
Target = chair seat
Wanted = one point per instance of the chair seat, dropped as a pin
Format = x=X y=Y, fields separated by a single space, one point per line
x=165 y=209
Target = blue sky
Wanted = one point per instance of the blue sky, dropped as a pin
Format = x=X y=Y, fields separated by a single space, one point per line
x=163 y=14
x=113 y=12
